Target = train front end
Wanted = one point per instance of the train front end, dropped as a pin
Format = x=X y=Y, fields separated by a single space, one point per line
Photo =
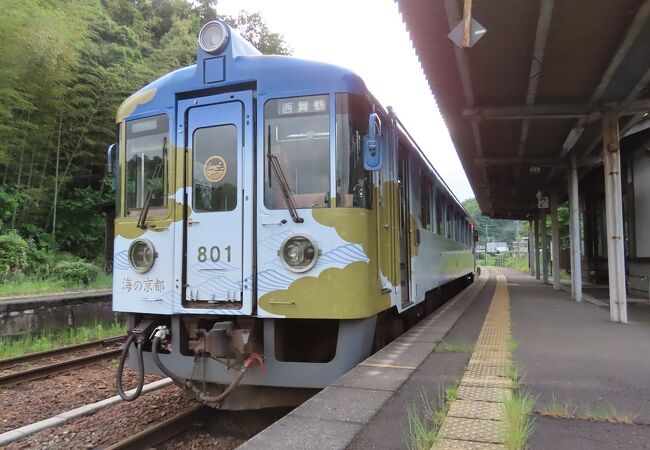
x=246 y=247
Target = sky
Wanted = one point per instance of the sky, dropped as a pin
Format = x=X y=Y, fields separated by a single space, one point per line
x=369 y=38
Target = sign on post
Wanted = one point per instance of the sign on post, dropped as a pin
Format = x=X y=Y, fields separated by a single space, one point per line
x=543 y=202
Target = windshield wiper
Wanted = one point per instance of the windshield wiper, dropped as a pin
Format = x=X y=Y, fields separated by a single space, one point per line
x=282 y=180
x=142 y=220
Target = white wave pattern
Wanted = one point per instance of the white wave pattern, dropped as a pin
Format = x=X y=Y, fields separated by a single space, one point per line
x=343 y=255
x=272 y=280
x=121 y=260
x=274 y=241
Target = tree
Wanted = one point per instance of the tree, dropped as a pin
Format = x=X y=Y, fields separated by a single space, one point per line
x=67 y=66
x=498 y=230
x=253 y=28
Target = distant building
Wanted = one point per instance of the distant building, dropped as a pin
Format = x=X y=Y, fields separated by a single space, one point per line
x=520 y=245
x=497 y=247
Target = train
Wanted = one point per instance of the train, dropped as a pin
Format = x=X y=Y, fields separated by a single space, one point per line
x=274 y=225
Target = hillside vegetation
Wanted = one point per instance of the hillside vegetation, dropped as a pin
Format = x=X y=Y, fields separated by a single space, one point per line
x=67 y=65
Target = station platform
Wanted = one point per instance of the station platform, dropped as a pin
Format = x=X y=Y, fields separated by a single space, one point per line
x=589 y=378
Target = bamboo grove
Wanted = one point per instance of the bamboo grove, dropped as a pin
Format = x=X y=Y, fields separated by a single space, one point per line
x=67 y=65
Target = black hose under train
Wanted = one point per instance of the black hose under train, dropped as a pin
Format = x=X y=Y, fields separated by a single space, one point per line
x=140 y=370
x=161 y=366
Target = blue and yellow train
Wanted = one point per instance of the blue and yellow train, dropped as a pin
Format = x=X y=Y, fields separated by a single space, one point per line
x=274 y=224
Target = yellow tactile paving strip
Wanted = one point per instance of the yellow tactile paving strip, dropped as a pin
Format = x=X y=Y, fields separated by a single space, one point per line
x=474 y=419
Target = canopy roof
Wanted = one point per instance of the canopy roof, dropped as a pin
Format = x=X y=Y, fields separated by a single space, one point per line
x=530 y=93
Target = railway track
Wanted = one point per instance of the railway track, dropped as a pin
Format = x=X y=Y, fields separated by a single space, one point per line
x=163 y=431
x=40 y=371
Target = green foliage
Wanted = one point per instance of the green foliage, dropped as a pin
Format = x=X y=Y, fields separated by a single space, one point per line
x=13 y=255
x=67 y=66
x=253 y=28
x=30 y=285
x=498 y=230
x=518 y=423
x=80 y=229
x=33 y=343
x=76 y=273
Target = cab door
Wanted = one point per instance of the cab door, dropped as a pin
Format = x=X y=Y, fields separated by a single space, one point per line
x=217 y=231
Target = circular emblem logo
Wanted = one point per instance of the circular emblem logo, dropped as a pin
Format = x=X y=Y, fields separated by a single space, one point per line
x=215 y=169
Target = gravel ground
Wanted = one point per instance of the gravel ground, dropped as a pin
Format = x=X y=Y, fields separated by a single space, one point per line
x=40 y=399
x=110 y=425
x=226 y=430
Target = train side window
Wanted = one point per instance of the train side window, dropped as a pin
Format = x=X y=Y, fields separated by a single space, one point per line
x=146 y=164
x=215 y=169
x=450 y=220
x=353 y=182
x=297 y=133
x=425 y=202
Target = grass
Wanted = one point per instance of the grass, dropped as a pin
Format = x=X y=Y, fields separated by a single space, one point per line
x=50 y=286
x=567 y=410
x=512 y=372
x=518 y=422
x=425 y=420
x=607 y=414
x=512 y=261
x=11 y=347
x=454 y=347
x=512 y=345
x=421 y=434
x=558 y=409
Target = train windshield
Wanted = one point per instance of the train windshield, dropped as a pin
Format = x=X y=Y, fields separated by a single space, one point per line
x=146 y=147
x=297 y=133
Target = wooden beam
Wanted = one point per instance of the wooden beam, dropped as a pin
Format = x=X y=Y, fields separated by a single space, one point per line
x=507 y=161
x=467 y=23
x=544 y=162
x=558 y=111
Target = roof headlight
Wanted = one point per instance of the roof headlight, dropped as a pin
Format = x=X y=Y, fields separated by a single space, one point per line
x=142 y=255
x=213 y=37
x=299 y=253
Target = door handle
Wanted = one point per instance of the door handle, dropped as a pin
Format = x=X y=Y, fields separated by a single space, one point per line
x=275 y=224
x=192 y=222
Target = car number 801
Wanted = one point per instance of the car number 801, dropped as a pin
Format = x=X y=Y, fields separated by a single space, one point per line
x=213 y=253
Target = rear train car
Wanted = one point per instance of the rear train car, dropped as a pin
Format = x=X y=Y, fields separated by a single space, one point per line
x=274 y=223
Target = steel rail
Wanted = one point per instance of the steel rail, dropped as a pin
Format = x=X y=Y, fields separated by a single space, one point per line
x=51 y=369
x=10 y=362
x=161 y=431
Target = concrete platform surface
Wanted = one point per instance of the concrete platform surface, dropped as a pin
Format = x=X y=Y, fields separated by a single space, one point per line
x=574 y=359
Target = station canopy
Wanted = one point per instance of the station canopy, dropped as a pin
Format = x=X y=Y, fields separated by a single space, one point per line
x=530 y=94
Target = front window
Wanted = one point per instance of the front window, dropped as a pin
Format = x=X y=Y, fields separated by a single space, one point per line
x=215 y=169
x=353 y=183
x=146 y=164
x=296 y=132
